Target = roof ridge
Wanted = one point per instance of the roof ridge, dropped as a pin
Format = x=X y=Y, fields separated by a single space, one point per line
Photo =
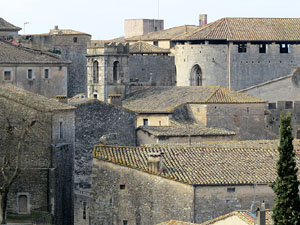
x=212 y=95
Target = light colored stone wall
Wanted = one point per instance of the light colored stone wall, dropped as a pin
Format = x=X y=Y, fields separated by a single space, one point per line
x=198 y=112
x=214 y=201
x=56 y=84
x=145 y=200
x=135 y=27
x=153 y=119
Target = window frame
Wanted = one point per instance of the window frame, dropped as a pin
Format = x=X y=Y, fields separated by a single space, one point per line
x=32 y=74
x=11 y=74
x=44 y=72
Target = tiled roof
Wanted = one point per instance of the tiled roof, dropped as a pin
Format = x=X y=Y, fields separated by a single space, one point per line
x=247 y=29
x=10 y=53
x=200 y=165
x=246 y=216
x=143 y=47
x=66 y=32
x=165 y=99
x=176 y=222
x=166 y=34
x=193 y=130
x=32 y=100
x=6 y=26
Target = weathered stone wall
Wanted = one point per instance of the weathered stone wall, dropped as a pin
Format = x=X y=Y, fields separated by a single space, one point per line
x=69 y=50
x=93 y=120
x=214 y=201
x=222 y=65
x=145 y=200
x=157 y=70
x=153 y=119
x=134 y=27
x=56 y=84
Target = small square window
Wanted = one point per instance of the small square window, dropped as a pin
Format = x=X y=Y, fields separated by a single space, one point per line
x=242 y=47
x=230 y=190
x=288 y=105
x=46 y=73
x=145 y=122
x=155 y=43
x=7 y=75
x=125 y=222
x=122 y=186
x=272 y=105
x=30 y=74
x=75 y=39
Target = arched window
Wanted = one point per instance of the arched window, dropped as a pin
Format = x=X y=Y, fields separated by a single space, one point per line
x=95 y=72
x=116 y=71
x=196 y=76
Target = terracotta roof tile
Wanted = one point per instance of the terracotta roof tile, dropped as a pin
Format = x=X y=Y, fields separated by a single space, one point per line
x=145 y=48
x=200 y=165
x=6 y=26
x=247 y=29
x=165 y=99
x=176 y=222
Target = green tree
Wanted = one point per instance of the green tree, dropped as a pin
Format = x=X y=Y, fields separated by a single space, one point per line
x=287 y=203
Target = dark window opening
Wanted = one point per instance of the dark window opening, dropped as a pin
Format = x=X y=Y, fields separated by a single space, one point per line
x=75 y=39
x=298 y=134
x=272 y=105
x=230 y=190
x=46 y=73
x=196 y=76
x=262 y=48
x=155 y=28
x=284 y=48
x=84 y=211
x=288 y=105
x=145 y=122
x=122 y=186
x=155 y=43
x=95 y=95
x=7 y=75
x=125 y=222
x=96 y=72
x=60 y=130
x=242 y=47
x=30 y=74
x=116 y=69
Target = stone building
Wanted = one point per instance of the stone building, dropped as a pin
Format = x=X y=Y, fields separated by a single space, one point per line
x=46 y=179
x=8 y=30
x=237 y=52
x=72 y=46
x=44 y=73
x=206 y=107
x=134 y=27
x=93 y=120
x=149 y=185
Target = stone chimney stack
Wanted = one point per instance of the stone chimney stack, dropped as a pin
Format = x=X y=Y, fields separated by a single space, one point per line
x=202 y=19
x=155 y=162
x=62 y=99
x=261 y=215
x=115 y=99
x=56 y=27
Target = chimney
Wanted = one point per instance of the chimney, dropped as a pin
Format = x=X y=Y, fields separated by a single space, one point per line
x=115 y=99
x=202 y=19
x=155 y=162
x=261 y=214
x=62 y=99
x=56 y=27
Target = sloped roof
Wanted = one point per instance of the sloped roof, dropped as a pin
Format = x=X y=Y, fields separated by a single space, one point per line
x=177 y=131
x=145 y=48
x=246 y=216
x=10 y=53
x=6 y=26
x=31 y=100
x=66 y=32
x=166 y=34
x=247 y=29
x=199 y=165
x=176 y=222
x=165 y=99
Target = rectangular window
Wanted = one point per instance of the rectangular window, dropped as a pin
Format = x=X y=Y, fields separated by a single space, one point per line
x=284 y=48
x=230 y=190
x=125 y=222
x=75 y=39
x=122 y=186
x=84 y=211
x=7 y=75
x=145 y=122
x=242 y=47
x=155 y=43
x=272 y=105
x=30 y=74
x=46 y=73
x=288 y=105
x=60 y=130
x=262 y=48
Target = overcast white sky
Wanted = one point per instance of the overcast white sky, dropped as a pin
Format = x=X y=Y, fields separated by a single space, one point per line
x=104 y=19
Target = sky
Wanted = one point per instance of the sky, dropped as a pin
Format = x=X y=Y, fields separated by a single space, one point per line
x=104 y=19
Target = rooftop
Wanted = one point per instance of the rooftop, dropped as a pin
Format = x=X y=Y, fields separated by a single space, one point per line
x=166 y=99
x=6 y=26
x=145 y=48
x=247 y=29
x=31 y=100
x=185 y=130
x=11 y=54
x=66 y=32
x=200 y=165
x=176 y=222
x=166 y=34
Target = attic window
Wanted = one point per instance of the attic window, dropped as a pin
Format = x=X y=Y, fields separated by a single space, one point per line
x=284 y=48
x=230 y=190
x=75 y=39
x=242 y=47
x=262 y=48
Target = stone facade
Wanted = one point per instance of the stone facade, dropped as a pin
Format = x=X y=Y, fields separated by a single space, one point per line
x=134 y=27
x=72 y=46
x=94 y=119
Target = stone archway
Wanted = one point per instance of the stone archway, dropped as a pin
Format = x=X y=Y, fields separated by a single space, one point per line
x=196 y=76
